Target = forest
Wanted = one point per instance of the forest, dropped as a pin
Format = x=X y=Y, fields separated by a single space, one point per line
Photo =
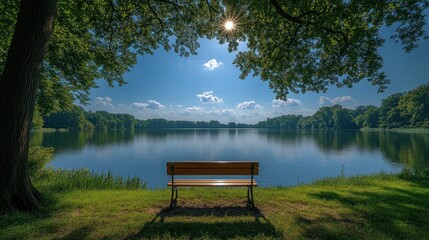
x=401 y=110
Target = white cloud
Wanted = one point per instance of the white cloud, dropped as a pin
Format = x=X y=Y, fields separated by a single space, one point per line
x=139 y=105
x=248 y=105
x=194 y=108
x=103 y=101
x=179 y=106
x=344 y=100
x=222 y=112
x=290 y=102
x=212 y=64
x=208 y=97
x=151 y=104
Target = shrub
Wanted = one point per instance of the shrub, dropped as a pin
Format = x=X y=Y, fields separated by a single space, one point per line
x=38 y=157
x=414 y=172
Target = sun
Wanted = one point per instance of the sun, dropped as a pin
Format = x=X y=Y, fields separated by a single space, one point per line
x=229 y=25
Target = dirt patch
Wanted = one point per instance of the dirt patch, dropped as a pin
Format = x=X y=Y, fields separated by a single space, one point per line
x=153 y=210
x=77 y=212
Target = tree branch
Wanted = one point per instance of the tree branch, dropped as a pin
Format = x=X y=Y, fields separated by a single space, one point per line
x=156 y=15
x=112 y=30
x=330 y=30
x=284 y=14
x=298 y=20
x=176 y=7
x=211 y=10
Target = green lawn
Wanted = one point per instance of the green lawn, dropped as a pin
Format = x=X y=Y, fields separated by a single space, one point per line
x=381 y=206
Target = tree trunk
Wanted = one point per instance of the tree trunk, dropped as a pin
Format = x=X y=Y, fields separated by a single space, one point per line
x=18 y=86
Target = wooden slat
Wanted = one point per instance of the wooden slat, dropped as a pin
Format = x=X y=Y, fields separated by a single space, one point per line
x=213 y=168
x=204 y=171
x=215 y=164
x=213 y=183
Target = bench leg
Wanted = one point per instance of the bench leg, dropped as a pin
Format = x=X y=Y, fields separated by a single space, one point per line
x=251 y=192
x=250 y=201
x=172 y=194
x=175 y=199
x=248 y=195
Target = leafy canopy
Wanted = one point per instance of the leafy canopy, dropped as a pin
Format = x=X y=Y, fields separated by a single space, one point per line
x=295 y=45
x=312 y=44
x=99 y=39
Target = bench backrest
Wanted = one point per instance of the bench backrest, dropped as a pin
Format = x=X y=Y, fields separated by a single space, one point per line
x=213 y=168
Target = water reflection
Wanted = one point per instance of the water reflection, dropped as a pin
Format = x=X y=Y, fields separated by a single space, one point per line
x=411 y=149
x=335 y=141
x=404 y=148
x=64 y=141
x=282 y=136
x=407 y=148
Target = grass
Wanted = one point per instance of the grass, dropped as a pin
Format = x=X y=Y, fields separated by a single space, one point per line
x=50 y=129
x=382 y=206
x=62 y=180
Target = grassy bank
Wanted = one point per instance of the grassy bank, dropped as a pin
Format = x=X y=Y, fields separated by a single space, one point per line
x=400 y=130
x=49 y=129
x=380 y=206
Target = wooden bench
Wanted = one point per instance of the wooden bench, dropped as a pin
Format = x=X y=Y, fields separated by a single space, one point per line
x=213 y=168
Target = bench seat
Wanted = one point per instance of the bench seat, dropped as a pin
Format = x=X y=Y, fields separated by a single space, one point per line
x=213 y=183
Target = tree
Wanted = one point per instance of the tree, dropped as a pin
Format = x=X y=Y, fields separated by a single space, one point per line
x=343 y=119
x=92 y=39
x=305 y=122
x=296 y=45
x=390 y=115
x=232 y=125
x=72 y=119
x=414 y=106
x=18 y=87
x=371 y=118
x=366 y=116
x=37 y=121
x=359 y=120
x=324 y=117
x=214 y=124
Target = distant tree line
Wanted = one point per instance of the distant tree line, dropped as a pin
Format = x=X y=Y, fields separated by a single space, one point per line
x=335 y=117
x=77 y=118
x=163 y=123
x=409 y=109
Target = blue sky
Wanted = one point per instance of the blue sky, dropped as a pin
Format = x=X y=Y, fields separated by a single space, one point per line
x=207 y=87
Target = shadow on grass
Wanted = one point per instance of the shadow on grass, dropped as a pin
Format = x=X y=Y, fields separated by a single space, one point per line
x=16 y=224
x=391 y=213
x=79 y=233
x=223 y=223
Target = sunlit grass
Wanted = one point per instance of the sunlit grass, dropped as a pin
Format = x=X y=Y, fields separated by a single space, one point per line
x=382 y=206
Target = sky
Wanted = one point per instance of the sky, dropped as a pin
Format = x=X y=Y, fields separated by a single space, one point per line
x=207 y=86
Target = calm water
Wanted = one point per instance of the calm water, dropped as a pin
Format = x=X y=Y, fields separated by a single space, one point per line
x=286 y=157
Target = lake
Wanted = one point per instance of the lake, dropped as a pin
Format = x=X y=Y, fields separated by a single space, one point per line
x=286 y=157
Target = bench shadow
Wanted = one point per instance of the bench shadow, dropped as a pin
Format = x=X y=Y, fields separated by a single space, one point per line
x=250 y=223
